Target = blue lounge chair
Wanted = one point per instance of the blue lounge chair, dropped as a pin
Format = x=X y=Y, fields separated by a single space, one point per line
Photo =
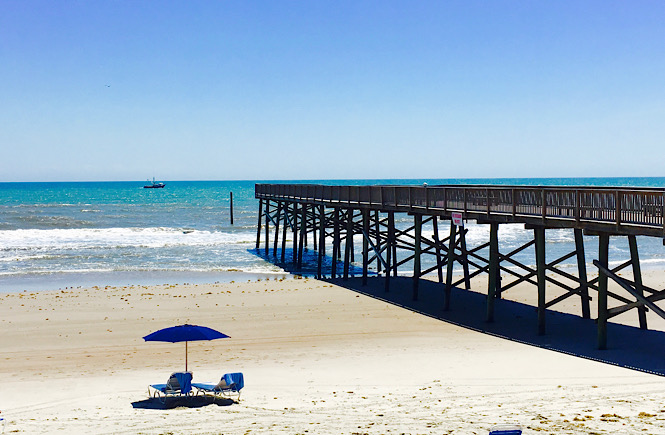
x=230 y=385
x=179 y=384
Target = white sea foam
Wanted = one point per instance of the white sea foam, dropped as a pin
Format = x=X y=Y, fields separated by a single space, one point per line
x=266 y=268
x=82 y=238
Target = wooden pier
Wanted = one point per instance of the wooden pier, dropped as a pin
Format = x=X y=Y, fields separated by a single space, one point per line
x=336 y=213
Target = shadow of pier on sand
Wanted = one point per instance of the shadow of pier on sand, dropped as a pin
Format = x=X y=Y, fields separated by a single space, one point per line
x=628 y=346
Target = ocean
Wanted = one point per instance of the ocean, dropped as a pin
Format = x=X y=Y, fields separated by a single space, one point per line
x=57 y=235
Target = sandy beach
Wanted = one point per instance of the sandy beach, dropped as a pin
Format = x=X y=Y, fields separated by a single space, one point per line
x=319 y=358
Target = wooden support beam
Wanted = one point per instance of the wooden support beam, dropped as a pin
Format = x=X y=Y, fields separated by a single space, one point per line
x=449 y=266
x=539 y=237
x=294 y=220
x=258 y=227
x=418 y=221
x=640 y=298
x=267 y=250
x=637 y=278
x=303 y=233
x=594 y=282
x=279 y=212
x=581 y=271
x=377 y=253
x=336 y=242
x=389 y=248
x=391 y=222
x=465 y=259
x=519 y=249
x=351 y=241
x=493 y=270
x=564 y=296
x=377 y=244
x=603 y=257
x=439 y=265
x=365 y=218
x=322 y=240
x=478 y=248
x=286 y=221
x=659 y=296
x=480 y=270
x=348 y=243
x=314 y=220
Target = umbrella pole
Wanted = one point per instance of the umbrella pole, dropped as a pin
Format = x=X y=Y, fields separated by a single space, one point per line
x=185 y=356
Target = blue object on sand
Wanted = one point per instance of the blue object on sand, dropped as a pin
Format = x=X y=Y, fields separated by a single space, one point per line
x=176 y=334
x=235 y=379
x=179 y=384
x=231 y=383
x=506 y=429
x=186 y=333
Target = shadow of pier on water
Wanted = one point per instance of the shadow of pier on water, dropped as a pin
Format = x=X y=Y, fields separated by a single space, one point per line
x=309 y=266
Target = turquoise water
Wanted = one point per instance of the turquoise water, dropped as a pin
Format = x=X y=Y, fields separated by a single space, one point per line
x=56 y=235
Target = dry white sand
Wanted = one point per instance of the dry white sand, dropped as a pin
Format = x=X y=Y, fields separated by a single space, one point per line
x=317 y=359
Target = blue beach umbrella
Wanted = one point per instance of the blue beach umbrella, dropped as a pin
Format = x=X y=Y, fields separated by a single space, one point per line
x=186 y=333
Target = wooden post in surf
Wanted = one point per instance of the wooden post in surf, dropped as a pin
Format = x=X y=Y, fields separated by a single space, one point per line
x=313 y=219
x=231 y=196
x=267 y=250
x=418 y=224
x=322 y=240
x=303 y=233
x=435 y=228
x=258 y=228
x=336 y=242
x=284 y=227
x=277 y=219
x=294 y=222
x=465 y=259
x=452 y=242
x=348 y=243
x=581 y=269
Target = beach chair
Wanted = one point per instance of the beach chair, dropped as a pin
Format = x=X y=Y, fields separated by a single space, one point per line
x=179 y=384
x=229 y=386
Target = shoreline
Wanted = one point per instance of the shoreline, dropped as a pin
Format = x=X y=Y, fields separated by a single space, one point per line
x=54 y=282
x=67 y=280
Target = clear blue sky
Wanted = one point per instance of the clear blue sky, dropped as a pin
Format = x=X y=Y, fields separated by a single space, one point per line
x=123 y=90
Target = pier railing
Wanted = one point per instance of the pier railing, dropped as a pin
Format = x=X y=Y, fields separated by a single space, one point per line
x=640 y=210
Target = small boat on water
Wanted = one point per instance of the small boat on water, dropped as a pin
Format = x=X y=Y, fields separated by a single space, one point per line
x=153 y=185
